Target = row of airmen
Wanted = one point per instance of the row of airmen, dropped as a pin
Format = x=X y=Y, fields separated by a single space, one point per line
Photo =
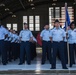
x=55 y=41
x=12 y=48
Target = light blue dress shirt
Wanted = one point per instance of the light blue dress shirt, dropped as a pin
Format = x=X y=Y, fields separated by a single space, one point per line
x=17 y=40
x=25 y=35
x=10 y=36
x=57 y=34
x=65 y=40
x=45 y=34
x=14 y=38
x=72 y=36
x=7 y=36
x=3 y=32
x=34 y=39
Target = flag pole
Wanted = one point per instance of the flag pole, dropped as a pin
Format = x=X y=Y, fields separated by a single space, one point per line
x=66 y=33
x=65 y=16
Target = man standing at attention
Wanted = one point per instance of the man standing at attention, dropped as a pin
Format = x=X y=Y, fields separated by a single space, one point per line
x=46 y=44
x=25 y=37
x=57 y=36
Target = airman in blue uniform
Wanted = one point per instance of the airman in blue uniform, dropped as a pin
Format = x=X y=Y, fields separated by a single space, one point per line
x=57 y=36
x=3 y=51
x=46 y=44
x=72 y=43
x=25 y=37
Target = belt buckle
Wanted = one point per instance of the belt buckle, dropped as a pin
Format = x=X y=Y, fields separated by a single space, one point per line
x=24 y=41
x=58 y=41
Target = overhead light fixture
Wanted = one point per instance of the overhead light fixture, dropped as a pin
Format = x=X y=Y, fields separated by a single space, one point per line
x=7 y=9
x=30 y=0
x=13 y=15
x=2 y=4
x=33 y=8
x=54 y=0
x=10 y=12
x=54 y=4
x=32 y=4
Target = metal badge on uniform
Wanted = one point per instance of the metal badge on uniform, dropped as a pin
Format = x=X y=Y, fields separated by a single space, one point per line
x=54 y=31
x=75 y=30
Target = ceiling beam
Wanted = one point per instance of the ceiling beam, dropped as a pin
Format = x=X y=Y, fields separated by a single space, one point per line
x=22 y=4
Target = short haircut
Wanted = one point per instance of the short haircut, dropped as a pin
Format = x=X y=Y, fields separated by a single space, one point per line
x=25 y=23
x=71 y=24
x=56 y=20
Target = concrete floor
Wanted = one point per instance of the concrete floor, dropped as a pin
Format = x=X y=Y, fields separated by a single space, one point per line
x=35 y=65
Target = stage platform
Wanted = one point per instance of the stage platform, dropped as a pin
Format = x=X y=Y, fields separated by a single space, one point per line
x=12 y=68
x=35 y=69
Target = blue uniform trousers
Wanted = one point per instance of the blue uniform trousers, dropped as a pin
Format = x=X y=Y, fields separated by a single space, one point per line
x=33 y=50
x=72 y=50
x=58 y=47
x=66 y=52
x=25 y=48
x=46 y=48
x=3 y=51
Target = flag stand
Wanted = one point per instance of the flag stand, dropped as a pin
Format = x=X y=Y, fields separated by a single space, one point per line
x=66 y=34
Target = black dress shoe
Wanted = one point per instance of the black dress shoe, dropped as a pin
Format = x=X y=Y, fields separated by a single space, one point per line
x=70 y=65
x=52 y=68
x=29 y=63
x=10 y=60
x=65 y=68
x=4 y=64
x=14 y=59
x=73 y=62
x=20 y=63
x=42 y=63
